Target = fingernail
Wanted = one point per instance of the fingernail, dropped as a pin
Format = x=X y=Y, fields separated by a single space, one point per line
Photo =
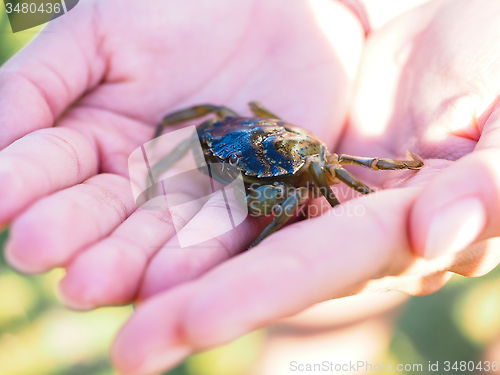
x=161 y=360
x=455 y=227
x=12 y=259
x=68 y=300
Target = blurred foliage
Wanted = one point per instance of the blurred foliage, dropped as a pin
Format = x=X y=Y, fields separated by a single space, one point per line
x=40 y=337
x=10 y=43
x=233 y=359
x=454 y=324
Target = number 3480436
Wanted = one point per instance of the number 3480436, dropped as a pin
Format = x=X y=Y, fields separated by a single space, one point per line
x=33 y=8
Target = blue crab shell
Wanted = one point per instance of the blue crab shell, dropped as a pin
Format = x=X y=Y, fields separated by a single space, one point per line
x=261 y=147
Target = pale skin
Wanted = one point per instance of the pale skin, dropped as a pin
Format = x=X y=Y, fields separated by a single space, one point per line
x=432 y=74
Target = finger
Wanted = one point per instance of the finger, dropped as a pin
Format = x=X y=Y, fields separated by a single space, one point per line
x=41 y=163
x=300 y=265
x=149 y=342
x=219 y=231
x=459 y=207
x=51 y=232
x=110 y=272
x=490 y=135
x=38 y=84
x=173 y=265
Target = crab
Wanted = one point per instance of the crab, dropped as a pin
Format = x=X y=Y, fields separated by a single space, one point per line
x=282 y=165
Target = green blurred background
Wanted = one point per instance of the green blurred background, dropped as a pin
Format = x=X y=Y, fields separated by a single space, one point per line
x=40 y=337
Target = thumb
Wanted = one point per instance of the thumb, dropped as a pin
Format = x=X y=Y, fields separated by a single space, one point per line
x=462 y=205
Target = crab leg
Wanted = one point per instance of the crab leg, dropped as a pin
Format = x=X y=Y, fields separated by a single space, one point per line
x=260 y=111
x=320 y=180
x=413 y=162
x=350 y=180
x=170 y=159
x=193 y=113
x=287 y=209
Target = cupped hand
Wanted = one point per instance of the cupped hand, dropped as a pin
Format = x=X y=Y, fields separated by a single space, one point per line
x=92 y=86
x=428 y=83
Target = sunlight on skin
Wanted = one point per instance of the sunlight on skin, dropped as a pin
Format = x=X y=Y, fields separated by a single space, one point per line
x=453 y=121
x=382 y=11
x=335 y=19
x=380 y=73
x=348 y=310
x=388 y=68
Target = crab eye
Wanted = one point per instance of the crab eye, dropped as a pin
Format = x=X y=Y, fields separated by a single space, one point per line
x=233 y=160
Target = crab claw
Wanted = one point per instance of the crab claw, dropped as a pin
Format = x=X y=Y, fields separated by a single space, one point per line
x=413 y=161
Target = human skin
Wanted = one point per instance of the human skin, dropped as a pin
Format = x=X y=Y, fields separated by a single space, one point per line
x=428 y=82
x=116 y=99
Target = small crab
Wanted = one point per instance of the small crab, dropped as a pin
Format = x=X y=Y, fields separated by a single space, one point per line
x=282 y=164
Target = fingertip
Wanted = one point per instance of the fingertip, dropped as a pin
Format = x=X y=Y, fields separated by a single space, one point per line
x=79 y=290
x=155 y=362
x=106 y=274
x=122 y=355
x=66 y=295
x=454 y=227
x=152 y=340
x=18 y=262
x=458 y=208
x=28 y=250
